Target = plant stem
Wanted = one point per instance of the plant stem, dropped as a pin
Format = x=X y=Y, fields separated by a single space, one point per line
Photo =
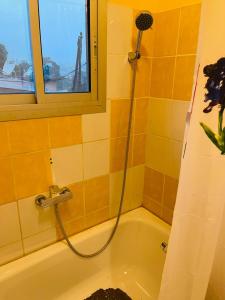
x=220 y=123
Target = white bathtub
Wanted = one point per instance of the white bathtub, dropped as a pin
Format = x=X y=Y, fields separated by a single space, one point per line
x=133 y=262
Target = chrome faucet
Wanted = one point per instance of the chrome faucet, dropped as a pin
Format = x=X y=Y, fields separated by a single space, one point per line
x=56 y=196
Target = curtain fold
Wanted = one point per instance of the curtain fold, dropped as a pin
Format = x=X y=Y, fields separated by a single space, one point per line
x=200 y=202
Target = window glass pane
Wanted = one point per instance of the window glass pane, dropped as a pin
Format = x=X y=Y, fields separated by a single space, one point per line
x=65 y=45
x=16 y=67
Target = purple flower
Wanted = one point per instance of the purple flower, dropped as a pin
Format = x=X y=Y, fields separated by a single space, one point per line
x=215 y=85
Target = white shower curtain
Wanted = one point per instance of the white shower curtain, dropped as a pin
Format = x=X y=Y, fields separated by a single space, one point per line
x=201 y=194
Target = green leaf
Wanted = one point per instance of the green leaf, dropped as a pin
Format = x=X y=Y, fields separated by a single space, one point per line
x=212 y=136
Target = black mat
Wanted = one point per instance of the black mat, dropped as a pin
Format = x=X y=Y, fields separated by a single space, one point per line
x=109 y=294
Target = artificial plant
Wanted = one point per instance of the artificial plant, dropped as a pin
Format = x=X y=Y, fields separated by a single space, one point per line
x=216 y=95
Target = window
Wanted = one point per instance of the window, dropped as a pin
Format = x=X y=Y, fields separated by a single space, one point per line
x=52 y=58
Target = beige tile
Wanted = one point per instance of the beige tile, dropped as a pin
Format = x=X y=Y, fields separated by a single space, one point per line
x=167 y=215
x=96 y=126
x=73 y=208
x=143 y=79
x=96 y=159
x=153 y=206
x=119 y=16
x=97 y=217
x=96 y=193
x=159 y=118
x=166 y=33
x=4 y=139
x=34 y=219
x=178 y=119
x=72 y=227
x=184 y=76
x=141 y=116
x=162 y=77
x=118 y=77
x=6 y=181
x=118 y=152
x=10 y=227
x=135 y=185
x=119 y=117
x=170 y=192
x=139 y=143
x=28 y=135
x=39 y=240
x=153 y=185
x=188 y=36
x=11 y=252
x=164 y=155
x=32 y=173
x=167 y=118
x=67 y=165
x=65 y=131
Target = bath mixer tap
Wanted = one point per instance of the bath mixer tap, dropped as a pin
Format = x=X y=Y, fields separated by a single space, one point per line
x=56 y=196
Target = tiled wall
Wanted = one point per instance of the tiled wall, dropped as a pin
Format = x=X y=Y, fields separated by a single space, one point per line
x=85 y=153
x=175 y=37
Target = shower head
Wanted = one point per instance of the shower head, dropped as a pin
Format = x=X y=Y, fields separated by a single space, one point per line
x=144 y=20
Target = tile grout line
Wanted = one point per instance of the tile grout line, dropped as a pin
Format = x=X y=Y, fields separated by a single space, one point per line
x=176 y=54
x=20 y=225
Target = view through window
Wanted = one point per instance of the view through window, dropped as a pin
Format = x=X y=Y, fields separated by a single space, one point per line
x=16 y=66
x=65 y=45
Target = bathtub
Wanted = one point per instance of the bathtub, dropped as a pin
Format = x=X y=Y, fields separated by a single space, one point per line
x=133 y=262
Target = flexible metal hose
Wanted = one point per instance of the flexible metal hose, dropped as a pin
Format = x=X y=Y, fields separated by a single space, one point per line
x=58 y=217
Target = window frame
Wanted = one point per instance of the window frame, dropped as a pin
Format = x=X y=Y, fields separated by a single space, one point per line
x=41 y=104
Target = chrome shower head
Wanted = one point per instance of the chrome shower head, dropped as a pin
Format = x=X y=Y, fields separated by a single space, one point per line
x=144 y=20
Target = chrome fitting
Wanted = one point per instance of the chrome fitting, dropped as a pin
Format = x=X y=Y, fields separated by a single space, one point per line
x=56 y=196
x=132 y=56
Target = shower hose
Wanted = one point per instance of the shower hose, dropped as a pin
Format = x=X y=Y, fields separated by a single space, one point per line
x=57 y=213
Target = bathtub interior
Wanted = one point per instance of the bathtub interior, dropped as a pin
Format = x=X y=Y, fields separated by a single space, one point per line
x=133 y=263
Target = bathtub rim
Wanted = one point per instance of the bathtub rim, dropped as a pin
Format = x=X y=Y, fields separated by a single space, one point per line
x=140 y=214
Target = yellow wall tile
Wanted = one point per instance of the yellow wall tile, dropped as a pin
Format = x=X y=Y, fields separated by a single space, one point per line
x=97 y=217
x=184 y=76
x=72 y=227
x=139 y=143
x=170 y=192
x=189 y=29
x=162 y=77
x=155 y=5
x=96 y=193
x=143 y=79
x=166 y=33
x=152 y=206
x=141 y=116
x=4 y=139
x=65 y=131
x=167 y=215
x=117 y=155
x=32 y=173
x=119 y=117
x=153 y=184
x=28 y=135
x=6 y=181
x=73 y=208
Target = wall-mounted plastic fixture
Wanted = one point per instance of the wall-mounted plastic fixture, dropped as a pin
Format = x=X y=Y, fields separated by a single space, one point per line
x=56 y=196
x=164 y=247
